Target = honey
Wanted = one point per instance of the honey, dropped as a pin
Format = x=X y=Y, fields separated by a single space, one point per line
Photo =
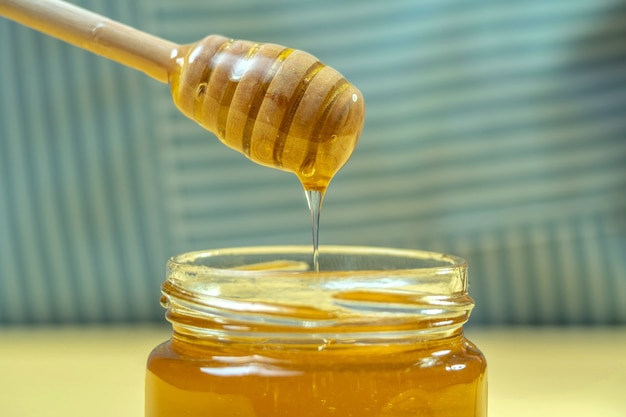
x=278 y=106
x=360 y=340
x=436 y=379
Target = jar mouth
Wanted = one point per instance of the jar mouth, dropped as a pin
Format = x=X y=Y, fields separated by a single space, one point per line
x=262 y=259
x=360 y=289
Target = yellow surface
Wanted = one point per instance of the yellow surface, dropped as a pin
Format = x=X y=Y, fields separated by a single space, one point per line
x=99 y=371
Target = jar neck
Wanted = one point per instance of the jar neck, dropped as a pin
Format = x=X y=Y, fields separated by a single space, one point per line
x=428 y=318
x=195 y=343
x=325 y=338
x=399 y=303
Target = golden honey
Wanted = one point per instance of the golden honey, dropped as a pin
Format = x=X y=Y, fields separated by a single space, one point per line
x=356 y=339
x=279 y=106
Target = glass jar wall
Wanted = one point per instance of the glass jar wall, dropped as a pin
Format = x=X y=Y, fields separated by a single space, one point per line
x=257 y=333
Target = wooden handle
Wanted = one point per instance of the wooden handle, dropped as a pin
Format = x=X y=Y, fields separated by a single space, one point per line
x=95 y=33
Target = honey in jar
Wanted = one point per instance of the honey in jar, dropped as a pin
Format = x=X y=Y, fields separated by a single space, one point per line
x=258 y=333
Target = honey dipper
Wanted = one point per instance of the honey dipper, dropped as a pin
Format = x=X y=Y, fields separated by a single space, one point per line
x=278 y=106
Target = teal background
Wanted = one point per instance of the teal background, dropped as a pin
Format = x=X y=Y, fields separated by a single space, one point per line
x=495 y=131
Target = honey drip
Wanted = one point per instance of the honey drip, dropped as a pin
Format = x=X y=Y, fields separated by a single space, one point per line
x=314 y=199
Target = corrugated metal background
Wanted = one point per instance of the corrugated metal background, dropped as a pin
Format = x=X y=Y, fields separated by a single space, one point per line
x=495 y=131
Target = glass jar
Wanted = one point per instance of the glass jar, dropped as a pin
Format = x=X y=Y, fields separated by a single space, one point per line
x=257 y=333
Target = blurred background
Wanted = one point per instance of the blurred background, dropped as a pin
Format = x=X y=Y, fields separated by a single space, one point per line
x=495 y=131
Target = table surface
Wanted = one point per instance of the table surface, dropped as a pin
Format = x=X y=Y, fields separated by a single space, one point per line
x=532 y=371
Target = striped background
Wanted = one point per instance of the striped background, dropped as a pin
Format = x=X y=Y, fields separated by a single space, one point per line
x=495 y=130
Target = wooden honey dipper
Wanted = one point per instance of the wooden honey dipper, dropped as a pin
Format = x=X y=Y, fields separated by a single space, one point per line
x=278 y=106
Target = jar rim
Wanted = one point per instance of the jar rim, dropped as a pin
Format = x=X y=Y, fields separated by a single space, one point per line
x=189 y=261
